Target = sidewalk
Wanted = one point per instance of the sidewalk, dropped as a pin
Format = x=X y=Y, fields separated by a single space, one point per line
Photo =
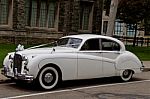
x=146 y=64
x=3 y=79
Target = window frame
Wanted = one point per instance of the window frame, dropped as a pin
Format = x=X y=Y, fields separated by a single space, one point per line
x=119 y=28
x=90 y=20
x=9 y=17
x=130 y=31
x=99 y=41
x=105 y=26
x=112 y=42
x=46 y=27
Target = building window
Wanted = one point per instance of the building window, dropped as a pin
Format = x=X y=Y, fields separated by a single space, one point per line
x=27 y=11
x=107 y=6
x=4 y=12
x=51 y=15
x=41 y=13
x=86 y=15
x=130 y=30
x=34 y=14
x=118 y=28
x=85 y=18
x=105 y=25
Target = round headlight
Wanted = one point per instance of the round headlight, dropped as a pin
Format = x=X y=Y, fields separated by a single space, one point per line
x=25 y=59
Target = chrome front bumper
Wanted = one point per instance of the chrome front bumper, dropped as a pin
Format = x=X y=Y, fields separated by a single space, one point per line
x=25 y=77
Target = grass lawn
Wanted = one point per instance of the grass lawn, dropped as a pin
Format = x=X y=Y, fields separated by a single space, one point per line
x=4 y=49
x=142 y=52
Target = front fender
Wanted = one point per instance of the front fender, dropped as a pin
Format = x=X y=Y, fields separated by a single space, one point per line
x=66 y=62
x=66 y=65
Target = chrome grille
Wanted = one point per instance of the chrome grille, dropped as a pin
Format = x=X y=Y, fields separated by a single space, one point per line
x=17 y=63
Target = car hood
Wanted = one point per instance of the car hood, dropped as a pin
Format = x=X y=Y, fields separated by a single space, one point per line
x=47 y=50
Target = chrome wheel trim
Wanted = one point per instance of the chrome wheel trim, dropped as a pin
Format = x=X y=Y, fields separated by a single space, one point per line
x=48 y=80
x=126 y=75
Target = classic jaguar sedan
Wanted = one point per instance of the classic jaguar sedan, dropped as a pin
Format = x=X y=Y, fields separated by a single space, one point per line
x=72 y=57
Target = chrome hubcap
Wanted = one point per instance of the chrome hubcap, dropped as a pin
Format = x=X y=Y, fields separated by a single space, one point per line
x=126 y=72
x=48 y=78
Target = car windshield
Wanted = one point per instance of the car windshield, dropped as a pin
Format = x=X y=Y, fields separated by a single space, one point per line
x=63 y=42
x=69 y=42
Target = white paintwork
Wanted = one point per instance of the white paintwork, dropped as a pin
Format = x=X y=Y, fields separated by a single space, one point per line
x=89 y=65
x=77 y=64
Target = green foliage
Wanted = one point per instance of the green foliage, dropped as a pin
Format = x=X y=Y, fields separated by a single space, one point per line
x=133 y=11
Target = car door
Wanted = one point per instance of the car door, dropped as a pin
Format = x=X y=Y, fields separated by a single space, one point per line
x=110 y=51
x=90 y=60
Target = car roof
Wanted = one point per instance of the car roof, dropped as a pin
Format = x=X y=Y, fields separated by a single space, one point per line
x=89 y=36
x=92 y=36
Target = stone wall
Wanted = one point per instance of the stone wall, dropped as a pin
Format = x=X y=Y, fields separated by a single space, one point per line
x=97 y=17
x=69 y=23
x=19 y=15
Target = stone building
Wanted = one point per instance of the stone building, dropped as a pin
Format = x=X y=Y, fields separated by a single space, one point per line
x=37 y=21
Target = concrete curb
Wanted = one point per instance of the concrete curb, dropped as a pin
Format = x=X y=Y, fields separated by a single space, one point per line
x=5 y=81
x=146 y=70
x=2 y=78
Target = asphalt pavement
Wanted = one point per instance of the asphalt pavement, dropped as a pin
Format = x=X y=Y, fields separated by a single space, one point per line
x=104 y=88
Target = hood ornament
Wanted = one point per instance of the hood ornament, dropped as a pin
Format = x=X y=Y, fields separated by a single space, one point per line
x=19 y=48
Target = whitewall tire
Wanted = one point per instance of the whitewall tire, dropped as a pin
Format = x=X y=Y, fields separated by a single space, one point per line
x=48 y=78
x=126 y=75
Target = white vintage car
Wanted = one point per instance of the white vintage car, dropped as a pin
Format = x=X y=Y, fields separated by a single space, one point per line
x=72 y=57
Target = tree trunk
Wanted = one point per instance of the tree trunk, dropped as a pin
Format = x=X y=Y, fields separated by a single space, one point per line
x=112 y=17
x=134 y=40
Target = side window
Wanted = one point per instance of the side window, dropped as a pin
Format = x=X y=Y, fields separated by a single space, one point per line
x=109 y=45
x=92 y=44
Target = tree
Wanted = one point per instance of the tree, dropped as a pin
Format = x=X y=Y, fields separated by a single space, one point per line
x=112 y=16
x=133 y=12
x=146 y=20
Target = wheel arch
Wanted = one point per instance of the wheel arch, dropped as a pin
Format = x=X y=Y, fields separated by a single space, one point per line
x=128 y=60
x=128 y=65
x=126 y=76
x=132 y=70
